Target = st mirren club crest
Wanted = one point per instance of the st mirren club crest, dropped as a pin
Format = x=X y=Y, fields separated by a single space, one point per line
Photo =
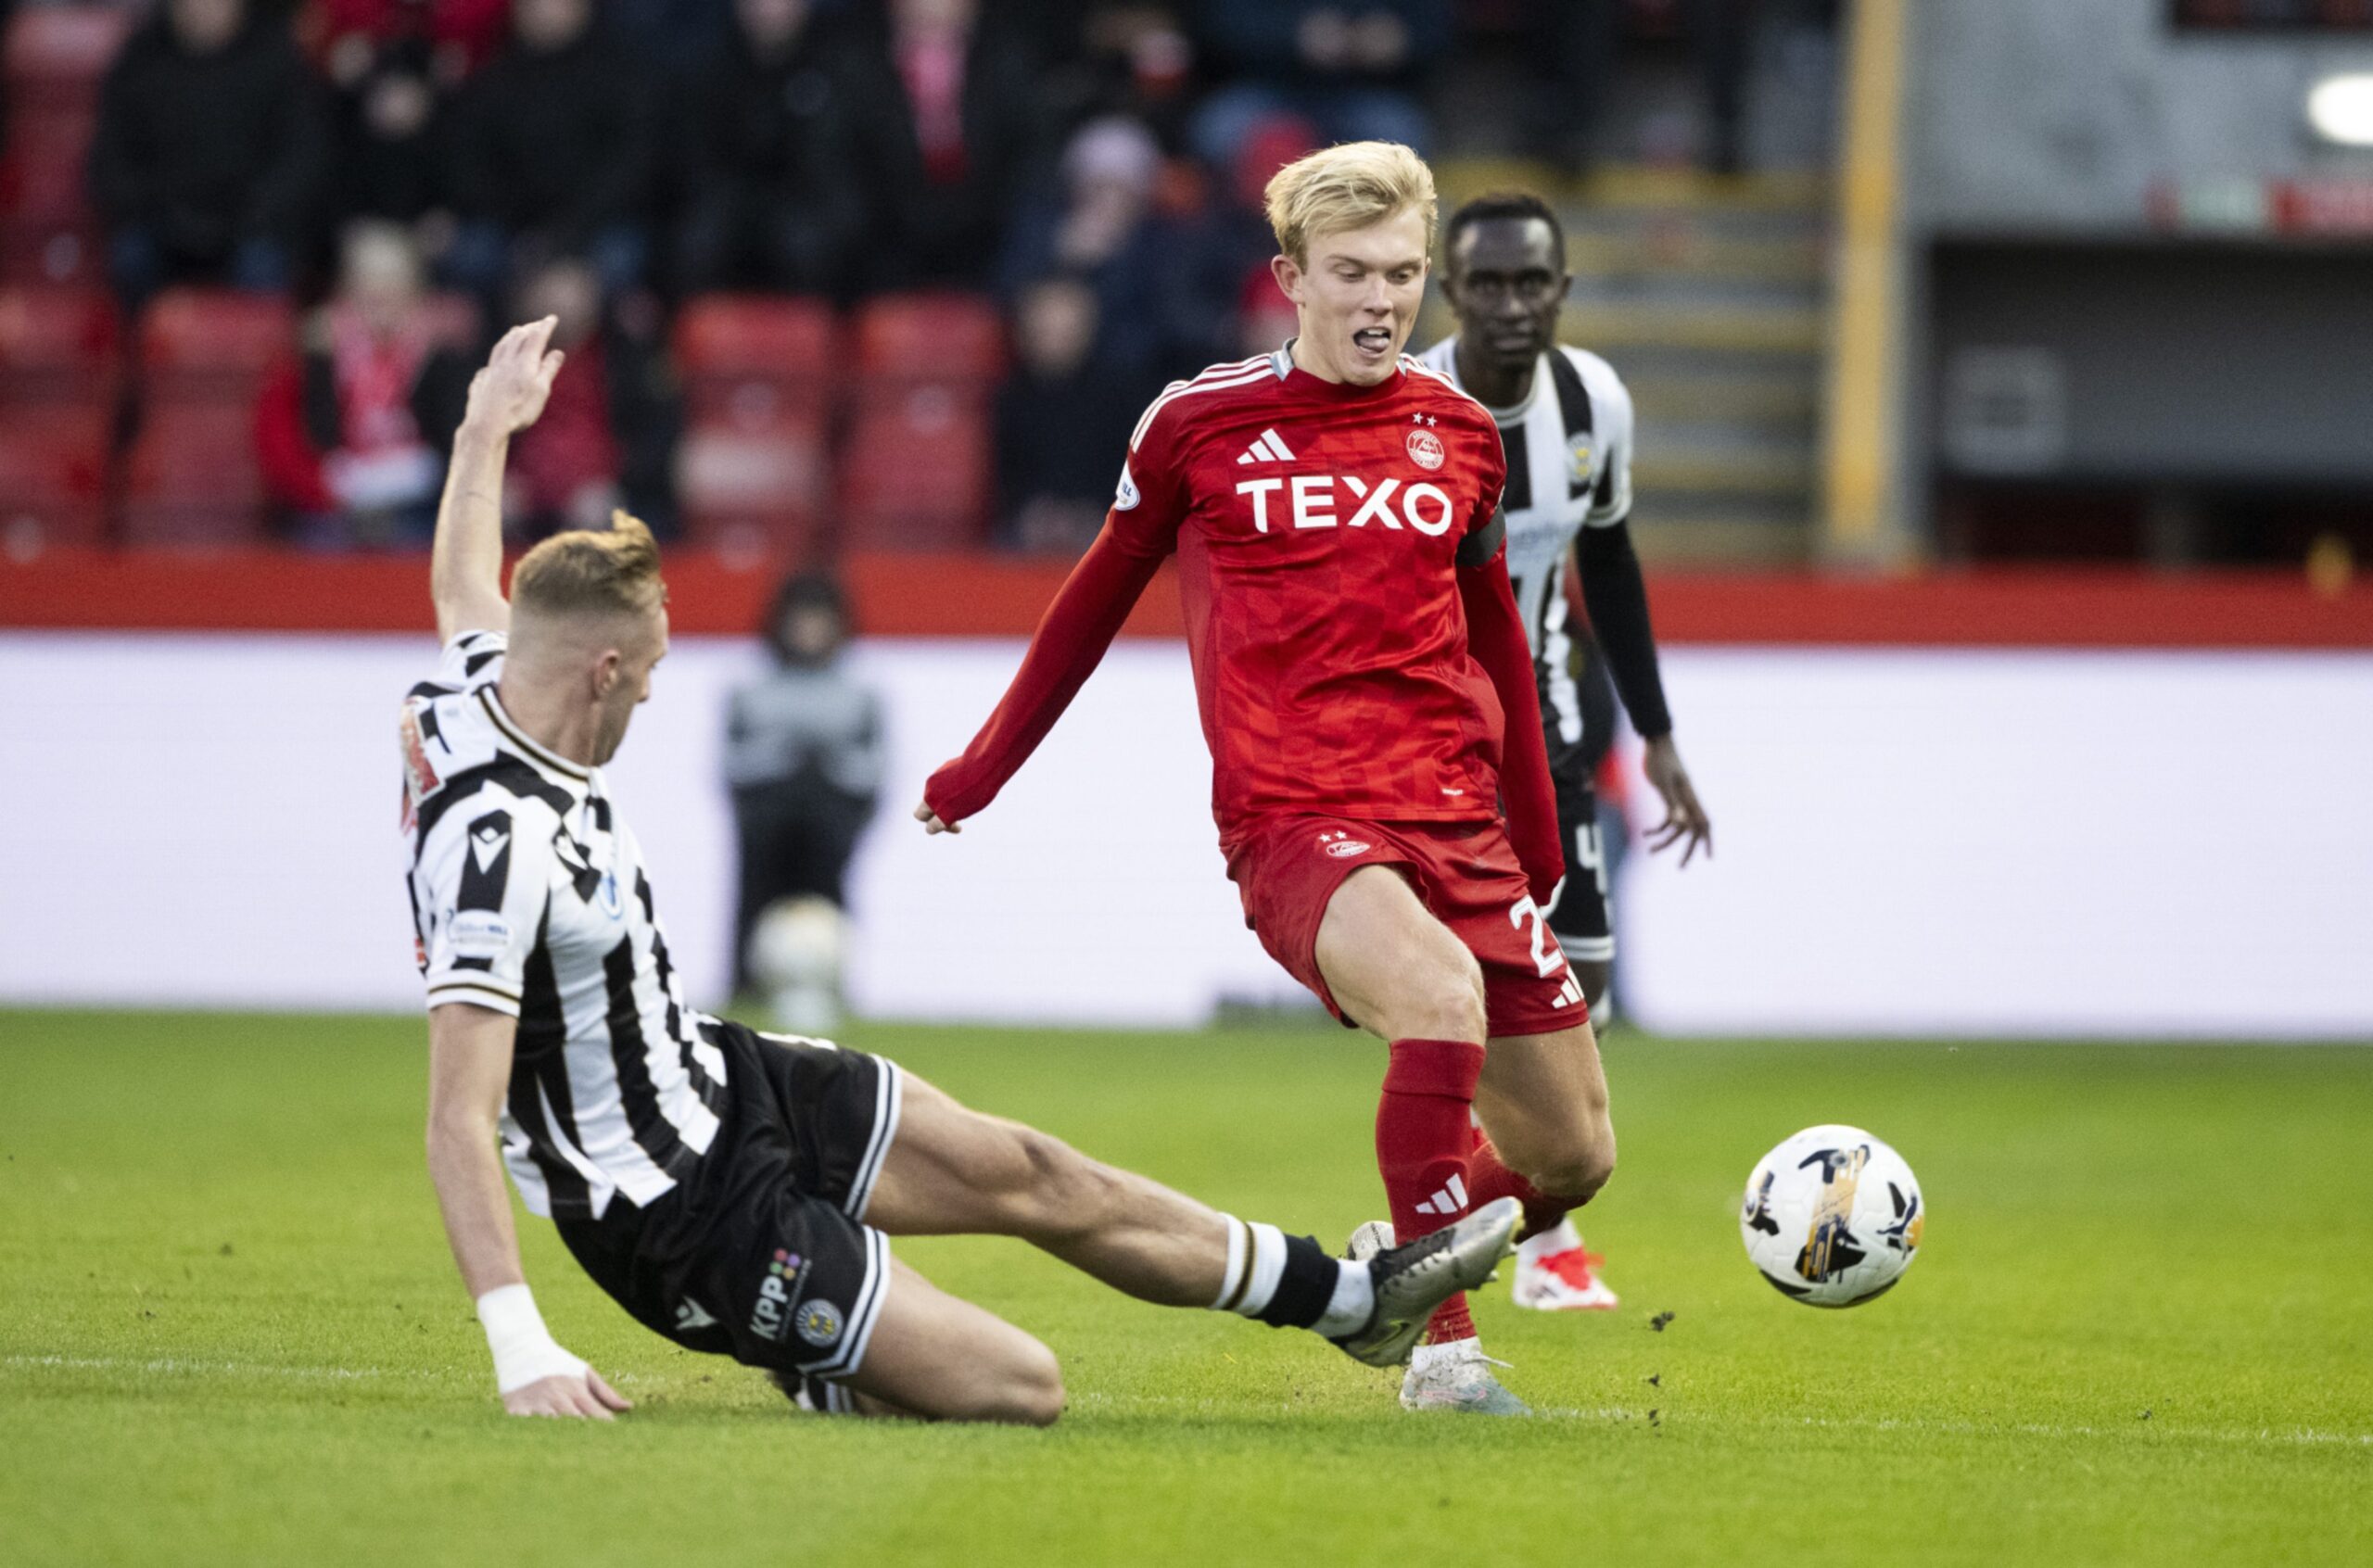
x=1426 y=450
x=1341 y=845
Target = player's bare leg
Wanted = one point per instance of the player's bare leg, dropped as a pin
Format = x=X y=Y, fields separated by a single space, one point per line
x=1549 y=1143
x=1396 y=971
x=952 y=1170
x=940 y=1358
x=1399 y=972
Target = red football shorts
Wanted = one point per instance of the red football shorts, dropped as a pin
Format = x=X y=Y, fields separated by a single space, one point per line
x=1466 y=873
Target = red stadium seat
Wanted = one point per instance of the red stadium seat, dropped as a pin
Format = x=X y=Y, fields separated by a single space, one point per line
x=754 y=494
x=212 y=342
x=58 y=345
x=916 y=472
x=191 y=478
x=53 y=477
x=34 y=252
x=930 y=338
x=59 y=53
x=42 y=167
x=755 y=359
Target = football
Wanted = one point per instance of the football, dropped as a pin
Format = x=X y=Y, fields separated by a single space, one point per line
x=1832 y=1217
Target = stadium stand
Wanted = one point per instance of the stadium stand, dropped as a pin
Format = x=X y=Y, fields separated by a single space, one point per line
x=52 y=59
x=191 y=477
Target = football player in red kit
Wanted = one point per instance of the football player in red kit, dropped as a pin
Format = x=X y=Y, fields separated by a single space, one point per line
x=1365 y=685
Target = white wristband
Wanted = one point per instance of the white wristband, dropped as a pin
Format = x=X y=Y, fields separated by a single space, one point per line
x=525 y=1351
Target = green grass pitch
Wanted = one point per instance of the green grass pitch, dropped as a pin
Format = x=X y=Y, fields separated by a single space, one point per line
x=2140 y=1330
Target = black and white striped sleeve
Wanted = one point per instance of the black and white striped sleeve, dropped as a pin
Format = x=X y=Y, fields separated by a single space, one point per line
x=471 y=659
x=490 y=872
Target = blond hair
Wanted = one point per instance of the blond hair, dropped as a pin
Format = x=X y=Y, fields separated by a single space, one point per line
x=592 y=572
x=1347 y=187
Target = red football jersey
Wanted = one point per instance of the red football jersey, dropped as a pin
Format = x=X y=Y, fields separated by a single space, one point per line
x=1316 y=525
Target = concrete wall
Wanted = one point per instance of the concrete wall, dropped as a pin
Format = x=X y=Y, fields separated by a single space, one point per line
x=2056 y=115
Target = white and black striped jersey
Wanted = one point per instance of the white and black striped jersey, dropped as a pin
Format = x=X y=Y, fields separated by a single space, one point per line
x=529 y=897
x=1570 y=468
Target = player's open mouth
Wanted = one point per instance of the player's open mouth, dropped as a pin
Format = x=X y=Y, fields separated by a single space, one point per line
x=1373 y=341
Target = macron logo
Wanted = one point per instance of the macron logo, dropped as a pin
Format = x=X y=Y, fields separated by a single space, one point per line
x=1451 y=1199
x=1268 y=448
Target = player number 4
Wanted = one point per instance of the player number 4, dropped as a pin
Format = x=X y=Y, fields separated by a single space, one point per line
x=1546 y=955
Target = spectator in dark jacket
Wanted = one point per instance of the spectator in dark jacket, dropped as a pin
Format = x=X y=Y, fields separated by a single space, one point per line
x=948 y=125
x=1060 y=419
x=392 y=115
x=1100 y=228
x=206 y=150
x=550 y=152
x=353 y=435
x=773 y=199
x=1353 y=67
x=607 y=431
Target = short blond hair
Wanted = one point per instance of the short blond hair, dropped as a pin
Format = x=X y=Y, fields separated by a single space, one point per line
x=1347 y=187
x=592 y=572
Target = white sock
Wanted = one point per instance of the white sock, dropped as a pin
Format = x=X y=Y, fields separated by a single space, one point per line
x=1425 y=1358
x=1560 y=1237
x=1256 y=1261
x=1353 y=1303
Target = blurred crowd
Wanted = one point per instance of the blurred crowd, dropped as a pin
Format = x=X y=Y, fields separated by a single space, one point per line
x=408 y=175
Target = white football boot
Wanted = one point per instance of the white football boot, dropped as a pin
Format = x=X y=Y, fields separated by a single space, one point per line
x=1457 y=1376
x=1554 y=1274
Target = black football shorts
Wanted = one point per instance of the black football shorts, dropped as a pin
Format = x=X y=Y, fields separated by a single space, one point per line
x=764 y=1255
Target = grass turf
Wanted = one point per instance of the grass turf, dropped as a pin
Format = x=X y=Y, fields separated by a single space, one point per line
x=2138 y=1329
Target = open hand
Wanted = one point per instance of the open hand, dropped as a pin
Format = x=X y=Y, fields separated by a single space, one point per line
x=1685 y=820
x=508 y=394
x=582 y=1396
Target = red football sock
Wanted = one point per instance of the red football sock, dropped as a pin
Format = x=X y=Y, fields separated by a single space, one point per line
x=1423 y=1126
x=1488 y=1178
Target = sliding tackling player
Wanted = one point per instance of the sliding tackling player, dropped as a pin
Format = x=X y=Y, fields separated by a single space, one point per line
x=733 y=1192
x=1564 y=421
x=1369 y=697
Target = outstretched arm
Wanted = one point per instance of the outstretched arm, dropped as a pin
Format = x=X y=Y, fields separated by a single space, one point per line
x=465 y=566
x=469 y=1067
x=1495 y=639
x=1614 y=596
x=1078 y=626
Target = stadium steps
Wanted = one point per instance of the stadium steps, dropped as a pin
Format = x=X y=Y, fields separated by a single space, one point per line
x=1710 y=295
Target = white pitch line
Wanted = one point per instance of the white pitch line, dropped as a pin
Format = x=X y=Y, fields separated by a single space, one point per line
x=2302 y=1436
x=177 y=1365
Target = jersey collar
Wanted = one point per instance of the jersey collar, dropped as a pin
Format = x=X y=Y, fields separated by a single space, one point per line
x=543 y=756
x=1281 y=365
x=1447 y=349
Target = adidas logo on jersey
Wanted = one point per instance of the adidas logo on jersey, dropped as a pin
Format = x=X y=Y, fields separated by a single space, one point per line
x=1450 y=1199
x=1268 y=448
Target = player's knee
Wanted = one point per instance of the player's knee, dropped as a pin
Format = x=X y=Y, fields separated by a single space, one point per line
x=1577 y=1170
x=1030 y=1390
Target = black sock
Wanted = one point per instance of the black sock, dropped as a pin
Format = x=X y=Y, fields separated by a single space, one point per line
x=1305 y=1287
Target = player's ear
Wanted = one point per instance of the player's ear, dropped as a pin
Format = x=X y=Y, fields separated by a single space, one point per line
x=1288 y=271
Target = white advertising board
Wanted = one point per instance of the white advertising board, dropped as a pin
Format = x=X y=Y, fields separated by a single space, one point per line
x=2129 y=845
